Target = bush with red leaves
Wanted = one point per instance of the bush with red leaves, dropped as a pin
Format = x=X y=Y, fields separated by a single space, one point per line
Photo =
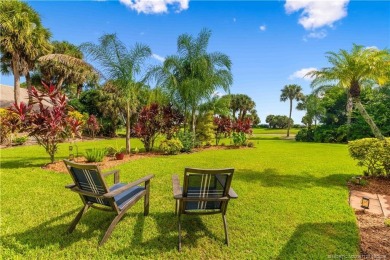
x=48 y=124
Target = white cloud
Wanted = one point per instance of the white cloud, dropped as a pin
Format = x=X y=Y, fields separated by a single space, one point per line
x=158 y=57
x=317 y=13
x=300 y=74
x=263 y=28
x=155 y=6
x=317 y=34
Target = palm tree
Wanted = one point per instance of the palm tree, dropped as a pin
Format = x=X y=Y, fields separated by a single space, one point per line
x=193 y=74
x=22 y=40
x=354 y=70
x=121 y=66
x=311 y=104
x=61 y=67
x=291 y=92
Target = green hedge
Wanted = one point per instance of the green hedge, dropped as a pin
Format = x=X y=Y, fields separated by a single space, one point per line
x=372 y=153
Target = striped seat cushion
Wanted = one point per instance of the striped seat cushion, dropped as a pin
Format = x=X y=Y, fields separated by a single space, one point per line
x=125 y=197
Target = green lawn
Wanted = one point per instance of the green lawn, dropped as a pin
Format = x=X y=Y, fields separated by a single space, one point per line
x=293 y=204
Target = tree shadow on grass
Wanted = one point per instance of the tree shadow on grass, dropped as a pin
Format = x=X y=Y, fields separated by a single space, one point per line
x=54 y=231
x=167 y=237
x=322 y=240
x=17 y=162
x=270 y=177
x=46 y=233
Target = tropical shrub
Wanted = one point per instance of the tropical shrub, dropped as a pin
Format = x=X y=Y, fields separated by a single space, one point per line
x=223 y=128
x=155 y=119
x=48 y=125
x=305 y=135
x=187 y=140
x=92 y=125
x=9 y=124
x=331 y=134
x=205 y=127
x=20 y=140
x=172 y=119
x=240 y=129
x=239 y=139
x=372 y=153
x=95 y=155
x=172 y=146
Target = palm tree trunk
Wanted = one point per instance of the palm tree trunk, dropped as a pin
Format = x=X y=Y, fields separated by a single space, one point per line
x=28 y=82
x=128 y=116
x=60 y=82
x=185 y=117
x=289 y=119
x=349 y=108
x=375 y=130
x=193 y=124
x=15 y=70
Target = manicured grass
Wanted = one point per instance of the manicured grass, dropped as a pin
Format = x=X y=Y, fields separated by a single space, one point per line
x=274 y=131
x=293 y=204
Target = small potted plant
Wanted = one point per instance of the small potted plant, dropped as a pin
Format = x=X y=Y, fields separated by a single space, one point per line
x=120 y=153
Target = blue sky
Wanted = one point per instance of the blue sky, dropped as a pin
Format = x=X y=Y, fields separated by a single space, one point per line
x=271 y=43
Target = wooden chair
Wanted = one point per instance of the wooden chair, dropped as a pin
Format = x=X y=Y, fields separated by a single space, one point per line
x=90 y=184
x=203 y=192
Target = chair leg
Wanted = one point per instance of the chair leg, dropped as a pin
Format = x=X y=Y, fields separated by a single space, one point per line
x=146 y=198
x=226 y=229
x=78 y=217
x=179 y=221
x=111 y=227
x=176 y=206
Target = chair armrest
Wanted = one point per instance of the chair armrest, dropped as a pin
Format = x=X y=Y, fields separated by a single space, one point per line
x=70 y=186
x=116 y=175
x=86 y=193
x=177 y=192
x=232 y=194
x=127 y=186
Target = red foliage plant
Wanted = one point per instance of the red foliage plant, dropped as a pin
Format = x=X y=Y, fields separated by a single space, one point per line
x=242 y=126
x=46 y=118
x=155 y=119
x=223 y=127
x=93 y=125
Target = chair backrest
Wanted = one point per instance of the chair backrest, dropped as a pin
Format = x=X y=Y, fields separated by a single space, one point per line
x=205 y=183
x=87 y=177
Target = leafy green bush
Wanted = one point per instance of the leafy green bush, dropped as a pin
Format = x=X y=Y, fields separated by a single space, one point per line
x=239 y=139
x=20 y=140
x=372 y=153
x=95 y=155
x=331 y=134
x=305 y=135
x=187 y=140
x=173 y=146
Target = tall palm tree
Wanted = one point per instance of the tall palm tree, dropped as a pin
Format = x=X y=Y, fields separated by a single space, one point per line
x=291 y=92
x=22 y=40
x=193 y=74
x=121 y=66
x=354 y=70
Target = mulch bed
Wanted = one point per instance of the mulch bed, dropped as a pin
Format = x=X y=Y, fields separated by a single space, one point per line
x=108 y=162
x=374 y=234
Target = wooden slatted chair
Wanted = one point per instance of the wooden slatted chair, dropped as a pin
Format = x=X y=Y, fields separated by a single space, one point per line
x=204 y=191
x=89 y=183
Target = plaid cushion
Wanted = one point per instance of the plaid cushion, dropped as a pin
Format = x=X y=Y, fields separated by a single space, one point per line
x=89 y=181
